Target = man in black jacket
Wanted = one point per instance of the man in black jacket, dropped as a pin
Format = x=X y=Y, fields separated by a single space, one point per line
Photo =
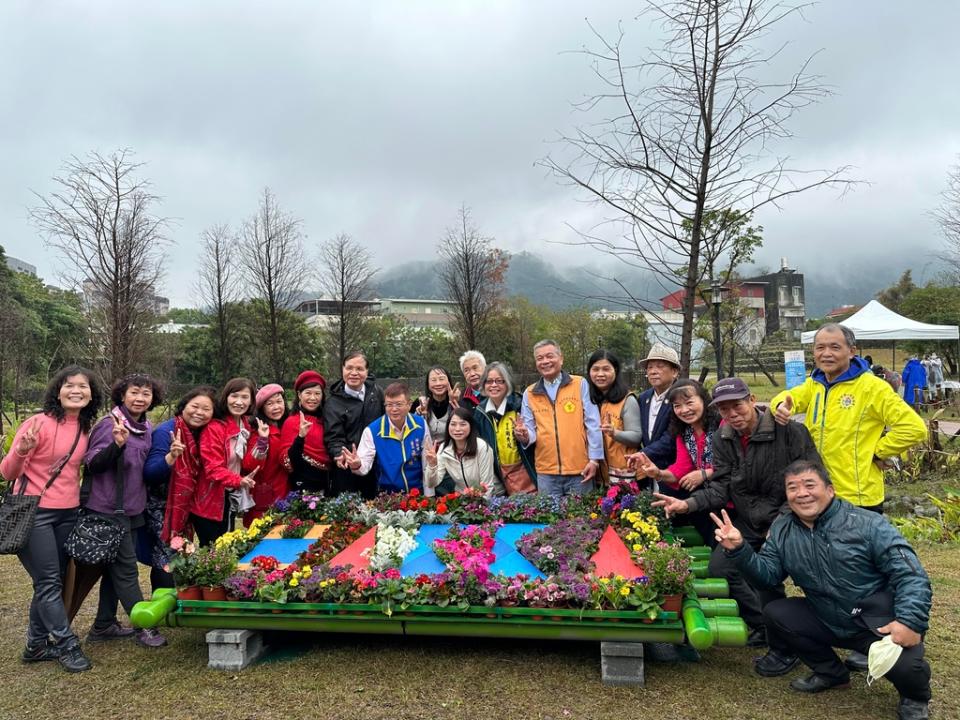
x=861 y=581
x=750 y=452
x=353 y=403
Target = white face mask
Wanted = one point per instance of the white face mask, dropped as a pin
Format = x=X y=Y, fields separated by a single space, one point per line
x=883 y=656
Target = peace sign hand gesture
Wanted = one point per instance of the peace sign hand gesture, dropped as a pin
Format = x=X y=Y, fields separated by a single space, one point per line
x=263 y=430
x=454 y=394
x=29 y=439
x=349 y=459
x=248 y=482
x=176 y=448
x=727 y=535
x=430 y=454
x=304 y=425
x=120 y=431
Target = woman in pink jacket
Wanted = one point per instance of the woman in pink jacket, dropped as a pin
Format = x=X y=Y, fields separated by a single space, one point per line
x=50 y=446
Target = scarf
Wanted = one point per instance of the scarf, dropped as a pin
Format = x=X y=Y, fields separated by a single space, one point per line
x=136 y=428
x=183 y=481
x=690 y=442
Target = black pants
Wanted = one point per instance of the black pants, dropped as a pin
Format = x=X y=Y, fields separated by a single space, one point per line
x=794 y=629
x=120 y=581
x=209 y=530
x=44 y=559
x=751 y=599
x=344 y=481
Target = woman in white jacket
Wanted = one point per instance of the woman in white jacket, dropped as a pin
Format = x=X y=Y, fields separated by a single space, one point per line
x=463 y=461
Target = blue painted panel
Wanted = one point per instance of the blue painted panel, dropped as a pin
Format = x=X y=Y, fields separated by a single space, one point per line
x=514 y=531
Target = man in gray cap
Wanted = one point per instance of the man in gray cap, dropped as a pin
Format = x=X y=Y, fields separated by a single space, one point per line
x=750 y=453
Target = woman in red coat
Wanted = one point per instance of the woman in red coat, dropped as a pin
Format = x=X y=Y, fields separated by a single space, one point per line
x=223 y=445
x=304 y=452
x=266 y=453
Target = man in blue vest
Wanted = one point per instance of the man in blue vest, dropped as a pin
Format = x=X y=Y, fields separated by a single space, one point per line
x=396 y=441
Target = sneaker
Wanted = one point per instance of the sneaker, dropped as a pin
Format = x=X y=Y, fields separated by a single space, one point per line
x=912 y=710
x=773 y=664
x=40 y=653
x=114 y=631
x=73 y=660
x=148 y=637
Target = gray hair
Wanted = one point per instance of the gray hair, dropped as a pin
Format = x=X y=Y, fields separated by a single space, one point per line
x=544 y=343
x=848 y=335
x=504 y=373
x=472 y=355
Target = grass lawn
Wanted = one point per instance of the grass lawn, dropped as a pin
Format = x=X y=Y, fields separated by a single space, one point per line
x=318 y=676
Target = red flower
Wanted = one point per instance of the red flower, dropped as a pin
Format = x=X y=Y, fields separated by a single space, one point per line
x=415 y=493
x=441 y=508
x=404 y=505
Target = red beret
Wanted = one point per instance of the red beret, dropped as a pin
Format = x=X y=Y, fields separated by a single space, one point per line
x=309 y=378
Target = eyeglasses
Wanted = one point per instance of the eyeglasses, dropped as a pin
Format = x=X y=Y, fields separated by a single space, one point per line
x=312 y=394
x=494 y=381
x=395 y=404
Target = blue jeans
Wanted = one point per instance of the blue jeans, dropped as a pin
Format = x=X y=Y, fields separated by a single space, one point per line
x=560 y=485
x=43 y=557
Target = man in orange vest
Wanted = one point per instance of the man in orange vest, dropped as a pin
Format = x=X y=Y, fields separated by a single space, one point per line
x=559 y=417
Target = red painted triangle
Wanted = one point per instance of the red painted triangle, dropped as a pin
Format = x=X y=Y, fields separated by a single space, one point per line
x=613 y=558
x=353 y=553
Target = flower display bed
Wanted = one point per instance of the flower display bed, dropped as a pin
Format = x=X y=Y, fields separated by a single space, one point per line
x=595 y=568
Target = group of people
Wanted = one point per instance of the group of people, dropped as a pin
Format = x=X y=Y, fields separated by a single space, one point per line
x=803 y=500
x=922 y=379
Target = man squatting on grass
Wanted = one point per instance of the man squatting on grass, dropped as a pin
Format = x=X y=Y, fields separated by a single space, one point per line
x=861 y=581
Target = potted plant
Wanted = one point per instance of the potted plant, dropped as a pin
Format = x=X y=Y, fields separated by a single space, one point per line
x=183 y=565
x=668 y=567
x=213 y=567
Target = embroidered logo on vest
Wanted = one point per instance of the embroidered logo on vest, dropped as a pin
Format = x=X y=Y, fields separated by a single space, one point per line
x=847 y=401
x=569 y=406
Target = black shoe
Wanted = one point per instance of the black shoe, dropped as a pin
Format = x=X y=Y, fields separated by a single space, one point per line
x=661 y=652
x=73 y=660
x=814 y=683
x=912 y=710
x=40 y=653
x=773 y=664
x=757 y=638
x=856 y=662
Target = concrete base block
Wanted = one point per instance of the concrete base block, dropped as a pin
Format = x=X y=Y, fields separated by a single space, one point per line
x=233 y=649
x=621 y=663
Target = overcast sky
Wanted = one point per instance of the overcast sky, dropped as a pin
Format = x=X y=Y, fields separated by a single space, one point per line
x=379 y=118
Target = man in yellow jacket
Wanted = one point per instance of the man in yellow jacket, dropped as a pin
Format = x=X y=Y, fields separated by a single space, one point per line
x=847 y=410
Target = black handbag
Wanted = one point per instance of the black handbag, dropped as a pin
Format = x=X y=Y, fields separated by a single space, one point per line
x=96 y=538
x=19 y=510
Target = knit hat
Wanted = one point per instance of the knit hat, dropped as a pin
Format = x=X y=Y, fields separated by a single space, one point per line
x=267 y=392
x=308 y=378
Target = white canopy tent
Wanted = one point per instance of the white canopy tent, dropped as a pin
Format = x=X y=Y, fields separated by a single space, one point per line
x=875 y=322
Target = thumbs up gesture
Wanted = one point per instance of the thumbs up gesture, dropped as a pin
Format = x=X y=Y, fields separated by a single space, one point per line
x=784 y=411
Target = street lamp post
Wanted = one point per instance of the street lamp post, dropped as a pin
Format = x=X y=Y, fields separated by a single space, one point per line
x=717 y=299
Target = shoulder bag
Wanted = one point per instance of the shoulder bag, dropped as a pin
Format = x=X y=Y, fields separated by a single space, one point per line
x=18 y=510
x=96 y=537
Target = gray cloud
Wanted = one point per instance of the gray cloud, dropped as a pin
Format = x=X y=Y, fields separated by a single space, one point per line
x=379 y=119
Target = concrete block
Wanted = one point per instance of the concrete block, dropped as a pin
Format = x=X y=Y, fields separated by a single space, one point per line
x=621 y=663
x=233 y=649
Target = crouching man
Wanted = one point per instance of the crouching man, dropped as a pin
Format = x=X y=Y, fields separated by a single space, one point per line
x=862 y=581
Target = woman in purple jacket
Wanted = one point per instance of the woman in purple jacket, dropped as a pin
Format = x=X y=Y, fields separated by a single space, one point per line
x=118 y=448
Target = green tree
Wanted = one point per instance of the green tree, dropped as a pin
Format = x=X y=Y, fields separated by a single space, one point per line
x=939 y=305
x=893 y=296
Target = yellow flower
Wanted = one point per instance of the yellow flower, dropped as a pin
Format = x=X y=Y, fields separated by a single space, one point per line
x=604 y=581
x=294 y=582
x=625 y=591
x=637 y=547
x=593 y=516
x=619 y=578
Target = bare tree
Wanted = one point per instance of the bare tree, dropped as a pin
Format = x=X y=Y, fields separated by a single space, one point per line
x=688 y=131
x=101 y=218
x=346 y=279
x=472 y=273
x=218 y=287
x=947 y=216
x=271 y=252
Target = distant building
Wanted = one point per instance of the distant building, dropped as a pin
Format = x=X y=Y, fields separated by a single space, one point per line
x=18 y=265
x=784 y=297
x=419 y=312
x=842 y=311
x=92 y=297
x=172 y=328
x=750 y=294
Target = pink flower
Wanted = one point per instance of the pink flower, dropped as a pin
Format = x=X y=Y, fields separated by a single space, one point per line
x=177 y=543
